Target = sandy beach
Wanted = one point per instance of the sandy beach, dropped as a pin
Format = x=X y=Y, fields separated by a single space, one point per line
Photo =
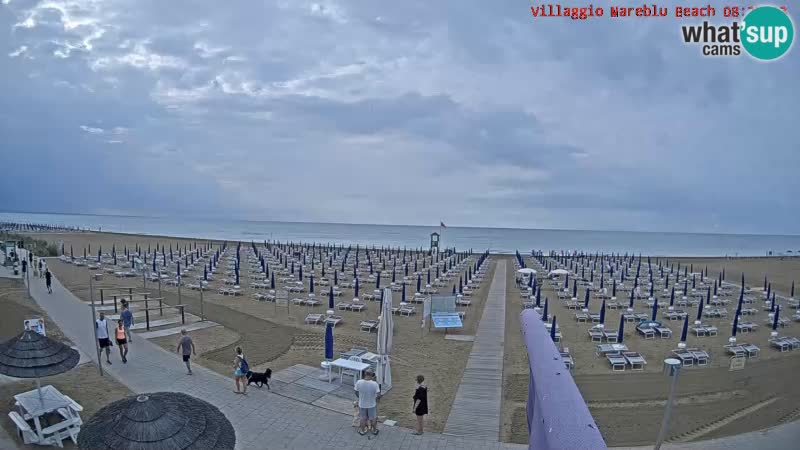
x=627 y=407
x=276 y=337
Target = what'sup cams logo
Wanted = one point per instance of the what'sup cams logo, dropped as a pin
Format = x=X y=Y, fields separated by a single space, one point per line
x=766 y=33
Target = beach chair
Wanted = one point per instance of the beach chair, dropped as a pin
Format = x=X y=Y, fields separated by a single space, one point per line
x=611 y=336
x=701 y=357
x=314 y=319
x=735 y=350
x=333 y=320
x=357 y=307
x=407 y=311
x=581 y=317
x=647 y=332
x=567 y=358
x=368 y=326
x=780 y=344
x=751 y=350
x=595 y=335
x=617 y=361
x=343 y=306
x=664 y=332
x=793 y=341
x=636 y=361
x=686 y=358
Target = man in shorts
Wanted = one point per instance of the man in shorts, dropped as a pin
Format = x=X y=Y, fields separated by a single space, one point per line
x=368 y=393
x=186 y=349
x=127 y=320
x=101 y=329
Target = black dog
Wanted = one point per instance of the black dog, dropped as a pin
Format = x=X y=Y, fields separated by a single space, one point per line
x=260 y=379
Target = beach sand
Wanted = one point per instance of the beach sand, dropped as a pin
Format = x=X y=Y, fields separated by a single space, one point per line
x=83 y=383
x=628 y=406
x=274 y=338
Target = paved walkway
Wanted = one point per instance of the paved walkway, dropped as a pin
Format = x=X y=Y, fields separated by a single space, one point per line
x=777 y=438
x=258 y=418
x=476 y=408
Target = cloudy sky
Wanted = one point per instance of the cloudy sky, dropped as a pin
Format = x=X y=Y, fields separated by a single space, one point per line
x=470 y=112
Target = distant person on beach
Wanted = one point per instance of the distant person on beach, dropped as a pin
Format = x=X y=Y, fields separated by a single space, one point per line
x=186 y=349
x=48 y=279
x=368 y=393
x=41 y=266
x=420 y=408
x=122 y=341
x=127 y=320
x=101 y=328
x=240 y=370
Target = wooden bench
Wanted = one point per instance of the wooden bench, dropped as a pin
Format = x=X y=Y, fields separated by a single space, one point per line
x=28 y=435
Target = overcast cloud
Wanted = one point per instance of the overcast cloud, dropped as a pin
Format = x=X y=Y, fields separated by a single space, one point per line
x=468 y=111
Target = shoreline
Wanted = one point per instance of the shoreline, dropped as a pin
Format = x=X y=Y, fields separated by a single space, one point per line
x=496 y=253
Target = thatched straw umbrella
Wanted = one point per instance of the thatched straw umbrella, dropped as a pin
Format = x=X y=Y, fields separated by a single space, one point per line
x=31 y=355
x=158 y=421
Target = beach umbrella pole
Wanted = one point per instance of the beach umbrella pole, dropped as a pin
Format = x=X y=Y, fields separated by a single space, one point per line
x=94 y=326
x=673 y=369
x=202 y=313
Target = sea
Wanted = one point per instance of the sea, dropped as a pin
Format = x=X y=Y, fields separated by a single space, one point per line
x=496 y=240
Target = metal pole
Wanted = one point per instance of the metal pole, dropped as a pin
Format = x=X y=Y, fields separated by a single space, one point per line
x=159 y=286
x=674 y=371
x=94 y=325
x=202 y=314
x=179 y=290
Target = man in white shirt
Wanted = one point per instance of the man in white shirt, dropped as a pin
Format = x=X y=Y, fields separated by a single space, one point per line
x=368 y=393
x=101 y=330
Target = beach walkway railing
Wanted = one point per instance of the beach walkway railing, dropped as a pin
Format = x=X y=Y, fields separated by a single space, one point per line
x=558 y=417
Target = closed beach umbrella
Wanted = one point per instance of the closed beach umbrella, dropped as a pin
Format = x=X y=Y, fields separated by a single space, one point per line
x=454 y=289
x=419 y=283
x=685 y=328
x=735 y=324
x=538 y=297
x=544 y=311
x=672 y=297
x=157 y=421
x=205 y=272
x=553 y=329
x=575 y=289
x=378 y=281
x=621 y=331
x=330 y=298
x=403 y=296
x=329 y=339
x=655 y=309
x=586 y=299
x=699 y=311
x=429 y=276
x=613 y=287
x=630 y=305
x=300 y=272
x=385 y=337
x=336 y=278
x=775 y=319
x=356 y=287
x=272 y=281
x=791 y=295
x=237 y=275
x=603 y=313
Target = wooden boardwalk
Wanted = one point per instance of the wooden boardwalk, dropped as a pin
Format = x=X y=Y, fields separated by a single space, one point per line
x=476 y=408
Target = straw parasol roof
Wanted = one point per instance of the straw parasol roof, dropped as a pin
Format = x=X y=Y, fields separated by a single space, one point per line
x=31 y=355
x=158 y=421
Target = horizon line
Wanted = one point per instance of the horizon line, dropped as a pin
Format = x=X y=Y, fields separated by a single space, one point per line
x=138 y=216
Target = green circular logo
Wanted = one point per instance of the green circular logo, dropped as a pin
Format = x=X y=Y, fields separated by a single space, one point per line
x=767 y=33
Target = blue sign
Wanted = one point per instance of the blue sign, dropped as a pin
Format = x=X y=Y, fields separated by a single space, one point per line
x=446 y=320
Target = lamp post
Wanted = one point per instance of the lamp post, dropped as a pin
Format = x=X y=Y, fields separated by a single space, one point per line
x=672 y=368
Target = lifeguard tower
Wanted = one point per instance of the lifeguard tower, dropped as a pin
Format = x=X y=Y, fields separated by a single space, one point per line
x=434 y=242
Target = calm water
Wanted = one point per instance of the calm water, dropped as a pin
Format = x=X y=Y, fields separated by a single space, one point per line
x=497 y=240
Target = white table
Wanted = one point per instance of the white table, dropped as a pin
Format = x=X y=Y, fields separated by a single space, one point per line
x=35 y=406
x=343 y=364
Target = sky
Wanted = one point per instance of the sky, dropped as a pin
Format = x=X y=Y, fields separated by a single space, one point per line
x=468 y=112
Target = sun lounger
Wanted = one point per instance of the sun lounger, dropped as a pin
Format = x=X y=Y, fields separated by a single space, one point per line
x=314 y=319
x=357 y=307
x=664 y=332
x=648 y=333
x=685 y=357
x=582 y=317
x=617 y=361
x=368 y=326
x=751 y=350
x=610 y=336
x=701 y=357
x=407 y=310
x=343 y=306
x=594 y=317
x=735 y=350
x=636 y=361
x=567 y=358
x=595 y=335
x=780 y=344
x=333 y=320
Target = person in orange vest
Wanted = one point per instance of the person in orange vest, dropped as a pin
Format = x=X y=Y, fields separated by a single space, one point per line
x=122 y=341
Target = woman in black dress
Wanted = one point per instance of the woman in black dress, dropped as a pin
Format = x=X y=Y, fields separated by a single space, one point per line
x=420 y=403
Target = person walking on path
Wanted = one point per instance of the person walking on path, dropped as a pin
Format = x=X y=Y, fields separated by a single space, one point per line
x=186 y=349
x=48 y=279
x=101 y=328
x=240 y=370
x=420 y=408
x=122 y=341
x=40 y=273
x=368 y=393
x=127 y=320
